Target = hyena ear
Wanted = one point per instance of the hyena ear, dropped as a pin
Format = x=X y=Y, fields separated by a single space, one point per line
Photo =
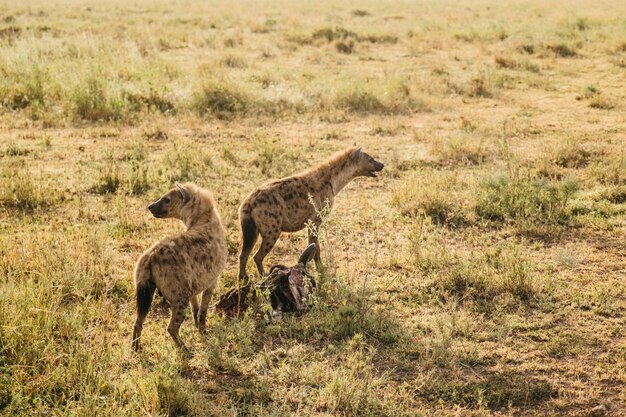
x=357 y=152
x=184 y=193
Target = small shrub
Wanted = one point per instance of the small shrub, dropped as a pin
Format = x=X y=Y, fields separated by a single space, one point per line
x=506 y=62
x=526 y=200
x=479 y=87
x=152 y=101
x=614 y=194
x=563 y=50
x=136 y=151
x=14 y=150
x=528 y=48
x=465 y=280
x=138 y=179
x=462 y=150
x=379 y=38
x=503 y=269
x=547 y=168
x=345 y=47
x=221 y=100
x=512 y=269
x=359 y=100
x=590 y=92
x=233 y=61
x=384 y=130
x=109 y=179
x=484 y=84
x=437 y=198
x=581 y=24
x=360 y=13
x=340 y=34
x=611 y=171
x=30 y=90
x=330 y=34
x=531 y=66
x=392 y=97
x=273 y=158
x=562 y=345
x=496 y=391
x=18 y=189
x=571 y=155
x=231 y=42
x=154 y=133
x=602 y=103
x=185 y=162
x=91 y=101
x=10 y=34
x=174 y=399
x=346 y=321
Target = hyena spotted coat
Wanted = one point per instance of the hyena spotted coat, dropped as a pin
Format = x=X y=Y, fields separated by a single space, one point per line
x=184 y=265
x=284 y=205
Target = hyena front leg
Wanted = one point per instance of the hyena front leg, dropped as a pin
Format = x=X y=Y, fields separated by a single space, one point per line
x=206 y=299
x=269 y=240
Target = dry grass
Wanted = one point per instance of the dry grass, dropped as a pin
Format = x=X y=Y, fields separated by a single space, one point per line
x=481 y=274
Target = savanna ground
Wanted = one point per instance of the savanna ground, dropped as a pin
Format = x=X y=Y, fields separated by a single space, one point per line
x=481 y=274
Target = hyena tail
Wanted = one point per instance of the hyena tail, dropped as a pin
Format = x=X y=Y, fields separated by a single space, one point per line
x=144 y=291
x=249 y=233
x=144 y=294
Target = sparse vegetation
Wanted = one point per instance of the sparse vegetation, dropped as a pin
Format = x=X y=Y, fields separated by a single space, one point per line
x=18 y=189
x=222 y=100
x=526 y=200
x=109 y=178
x=481 y=273
x=438 y=198
x=563 y=50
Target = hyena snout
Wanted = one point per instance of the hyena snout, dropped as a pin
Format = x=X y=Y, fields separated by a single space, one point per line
x=156 y=209
x=374 y=168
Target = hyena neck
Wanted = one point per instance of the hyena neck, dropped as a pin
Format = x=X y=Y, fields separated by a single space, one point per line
x=340 y=175
x=201 y=219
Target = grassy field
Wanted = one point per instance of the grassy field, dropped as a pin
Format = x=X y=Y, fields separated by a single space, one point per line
x=482 y=274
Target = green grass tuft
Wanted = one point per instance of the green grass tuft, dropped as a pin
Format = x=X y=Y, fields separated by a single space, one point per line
x=524 y=199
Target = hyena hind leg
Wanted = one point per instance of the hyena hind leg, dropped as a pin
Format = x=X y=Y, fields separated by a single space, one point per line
x=178 y=315
x=195 y=309
x=204 y=305
x=269 y=240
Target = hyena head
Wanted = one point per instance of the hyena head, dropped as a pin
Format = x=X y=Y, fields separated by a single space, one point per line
x=366 y=166
x=172 y=204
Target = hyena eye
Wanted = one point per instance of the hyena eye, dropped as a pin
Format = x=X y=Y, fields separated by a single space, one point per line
x=166 y=200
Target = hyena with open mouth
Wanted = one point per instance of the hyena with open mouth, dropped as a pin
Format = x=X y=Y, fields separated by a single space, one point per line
x=284 y=205
x=185 y=265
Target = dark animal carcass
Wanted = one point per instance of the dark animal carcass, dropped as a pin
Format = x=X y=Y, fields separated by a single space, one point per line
x=288 y=288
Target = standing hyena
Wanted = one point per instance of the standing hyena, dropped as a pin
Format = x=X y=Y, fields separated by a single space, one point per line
x=284 y=205
x=184 y=265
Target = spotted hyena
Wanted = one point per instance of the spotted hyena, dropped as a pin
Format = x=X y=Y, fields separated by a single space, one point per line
x=284 y=205
x=184 y=265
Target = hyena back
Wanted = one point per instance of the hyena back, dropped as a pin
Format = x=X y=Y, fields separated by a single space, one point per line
x=284 y=205
x=185 y=265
